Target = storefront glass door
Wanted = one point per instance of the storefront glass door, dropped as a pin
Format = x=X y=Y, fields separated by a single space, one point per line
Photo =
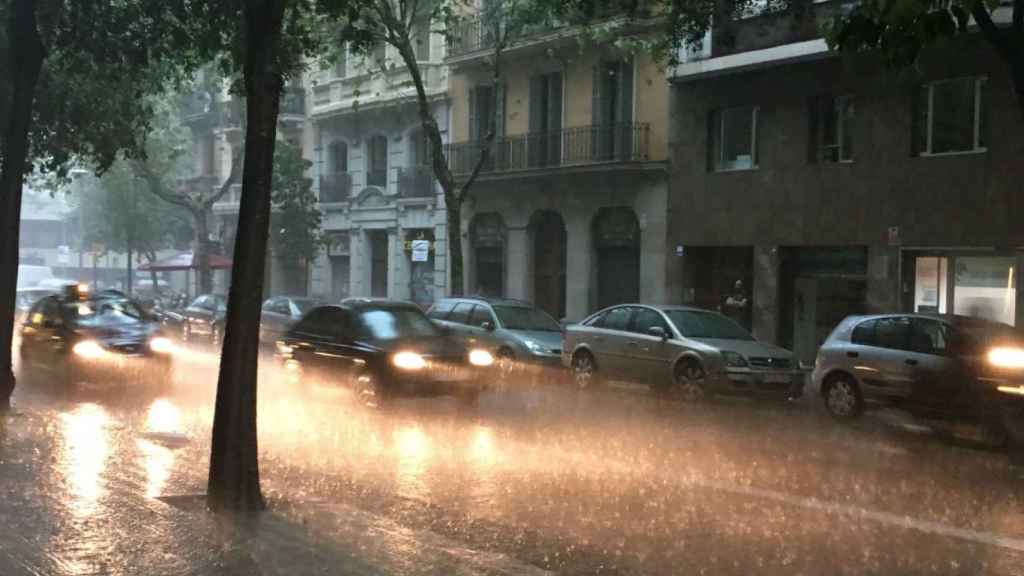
x=978 y=286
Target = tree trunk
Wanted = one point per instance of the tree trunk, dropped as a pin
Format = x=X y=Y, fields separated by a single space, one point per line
x=130 y=286
x=234 y=480
x=26 y=53
x=202 y=254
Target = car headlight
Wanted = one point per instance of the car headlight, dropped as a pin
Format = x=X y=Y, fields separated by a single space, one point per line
x=283 y=348
x=161 y=345
x=408 y=361
x=1005 y=357
x=480 y=357
x=734 y=359
x=88 y=349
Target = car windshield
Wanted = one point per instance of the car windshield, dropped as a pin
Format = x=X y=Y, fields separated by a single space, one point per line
x=523 y=318
x=394 y=323
x=697 y=324
x=108 y=312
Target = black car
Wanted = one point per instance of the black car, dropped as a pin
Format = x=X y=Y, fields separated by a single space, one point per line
x=280 y=313
x=77 y=336
x=384 y=349
x=204 y=318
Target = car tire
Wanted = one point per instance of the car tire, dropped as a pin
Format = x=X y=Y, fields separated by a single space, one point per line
x=584 y=370
x=689 y=382
x=842 y=397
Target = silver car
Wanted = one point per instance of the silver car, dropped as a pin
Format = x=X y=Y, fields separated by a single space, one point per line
x=936 y=367
x=511 y=329
x=689 y=352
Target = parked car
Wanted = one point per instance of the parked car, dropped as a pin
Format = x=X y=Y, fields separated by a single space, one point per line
x=280 y=312
x=934 y=366
x=204 y=318
x=511 y=329
x=688 y=352
x=385 y=349
x=24 y=300
x=76 y=336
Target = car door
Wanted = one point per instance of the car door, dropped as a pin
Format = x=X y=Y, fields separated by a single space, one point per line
x=273 y=321
x=458 y=320
x=39 y=334
x=318 y=341
x=199 y=314
x=609 y=339
x=476 y=334
x=647 y=358
x=882 y=358
x=937 y=378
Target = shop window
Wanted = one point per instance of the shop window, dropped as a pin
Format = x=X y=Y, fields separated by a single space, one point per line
x=985 y=287
x=930 y=286
x=734 y=139
x=951 y=116
x=832 y=120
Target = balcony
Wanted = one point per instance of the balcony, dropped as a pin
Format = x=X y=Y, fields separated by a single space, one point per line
x=577 y=146
x=336 y=187
x=416 y=182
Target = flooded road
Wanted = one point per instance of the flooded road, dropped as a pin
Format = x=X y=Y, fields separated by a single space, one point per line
x=539 y=478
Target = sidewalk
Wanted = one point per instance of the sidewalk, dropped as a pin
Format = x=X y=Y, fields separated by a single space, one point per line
x=73 y=502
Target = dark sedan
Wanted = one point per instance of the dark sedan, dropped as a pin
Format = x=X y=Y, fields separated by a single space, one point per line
x=384 y=349
x=280 y=313
x=204 y=318
x=75 y=337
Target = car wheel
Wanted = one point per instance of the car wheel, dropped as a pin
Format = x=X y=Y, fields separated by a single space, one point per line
x=842 y=398
x=369 y=390
x=584 y=370
x=689 y=381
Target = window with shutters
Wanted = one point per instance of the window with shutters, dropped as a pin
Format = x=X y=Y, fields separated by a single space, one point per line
x=950 y=116
x=377 y=174
x=612 y=111
x=545 y=138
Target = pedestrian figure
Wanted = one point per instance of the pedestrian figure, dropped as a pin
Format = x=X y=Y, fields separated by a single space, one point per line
x=736 y=304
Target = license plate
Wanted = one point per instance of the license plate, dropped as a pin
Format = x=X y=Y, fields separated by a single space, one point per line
x=776 y=378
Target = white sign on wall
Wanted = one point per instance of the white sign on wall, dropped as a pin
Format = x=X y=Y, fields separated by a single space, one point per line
x=420 y=250
x=63 y=254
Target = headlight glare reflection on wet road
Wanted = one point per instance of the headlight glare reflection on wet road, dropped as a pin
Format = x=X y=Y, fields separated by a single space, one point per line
x=89 y=349
x=161 y=345
x=480 y=357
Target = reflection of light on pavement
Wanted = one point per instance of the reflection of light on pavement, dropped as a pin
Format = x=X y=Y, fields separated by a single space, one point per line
x=157 y=461
x=483 y=457
x=84 y=456
x=414 y=452
x=482 y=450
x=163 y=416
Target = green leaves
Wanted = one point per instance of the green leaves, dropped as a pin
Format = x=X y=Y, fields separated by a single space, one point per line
x=295 y=231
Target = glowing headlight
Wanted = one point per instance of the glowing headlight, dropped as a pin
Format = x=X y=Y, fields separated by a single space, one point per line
x=480 y=358
x=283 y=348
x=734 y=359
x=89 y=349
x=1006 y=357
x=408 y=361
x=161 y=345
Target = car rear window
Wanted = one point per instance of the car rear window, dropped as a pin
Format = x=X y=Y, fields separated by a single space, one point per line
x=440 y=310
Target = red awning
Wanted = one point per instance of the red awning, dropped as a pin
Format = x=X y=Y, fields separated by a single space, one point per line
x=185 y=261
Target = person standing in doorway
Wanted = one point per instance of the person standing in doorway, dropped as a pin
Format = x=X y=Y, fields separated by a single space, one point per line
x=737 y=305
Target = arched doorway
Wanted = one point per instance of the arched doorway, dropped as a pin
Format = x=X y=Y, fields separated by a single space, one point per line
x=617 y=243
x=487 y=234
x=549 y=265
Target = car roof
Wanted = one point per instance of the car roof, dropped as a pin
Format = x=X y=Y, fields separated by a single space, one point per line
x=949 y=318
x=364 y=303
x=492 y=300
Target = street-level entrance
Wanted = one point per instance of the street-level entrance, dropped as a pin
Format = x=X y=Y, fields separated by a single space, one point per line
x=378 y=263
x=549 y=262
x=978 y=283
x=617 y=243
x=488 y=241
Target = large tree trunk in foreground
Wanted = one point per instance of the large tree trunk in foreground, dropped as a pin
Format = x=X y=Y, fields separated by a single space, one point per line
x=26 y=51
x=234 y=481
x=201 y=255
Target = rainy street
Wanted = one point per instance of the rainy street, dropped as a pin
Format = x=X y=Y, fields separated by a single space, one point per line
x=539 y=479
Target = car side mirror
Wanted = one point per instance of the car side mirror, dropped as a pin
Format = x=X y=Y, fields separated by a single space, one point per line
x=489 y=326
x=658 y=332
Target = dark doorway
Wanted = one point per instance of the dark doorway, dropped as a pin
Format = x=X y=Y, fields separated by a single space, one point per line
x=488 y=237
x=617 y=243
x=713 y=272
x=549 y=262
x=339 y=277
x=378 y=263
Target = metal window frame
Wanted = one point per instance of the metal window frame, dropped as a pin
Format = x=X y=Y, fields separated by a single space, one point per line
x=976 y=147
x=720 y=164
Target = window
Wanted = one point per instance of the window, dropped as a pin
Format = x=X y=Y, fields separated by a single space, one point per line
x=617 y=319
x=481 y=114
x=421 y=40
x=393 y=323
x=612 y=111
x=377 y=175
x=479 y=315
x=460 y=315
x=892 y=333
x=929 y=337
x=951 y=116
x=341 y=64
x=544 y=145
x=734 y=139
x=864 y=333
x=832 y=127
x=644 y=319
x=325 y=323
x=523 y=318
x=440 y=310
x=698 y=324
x=379 y=55
x=338 y=157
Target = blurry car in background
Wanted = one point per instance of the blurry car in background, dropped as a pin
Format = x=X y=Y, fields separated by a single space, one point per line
x=683 y=351
x=936 y=367
x=25 y=298
x=203 y=319
x=280 y=313
x=511 y=329
x=76 y=336
x=384 y=349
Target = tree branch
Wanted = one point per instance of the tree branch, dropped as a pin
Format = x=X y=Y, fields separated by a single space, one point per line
x=156 y=186
x=236 y=169
x=485 y=153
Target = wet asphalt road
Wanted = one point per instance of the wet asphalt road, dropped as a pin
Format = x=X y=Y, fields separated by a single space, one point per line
x=539 y=478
